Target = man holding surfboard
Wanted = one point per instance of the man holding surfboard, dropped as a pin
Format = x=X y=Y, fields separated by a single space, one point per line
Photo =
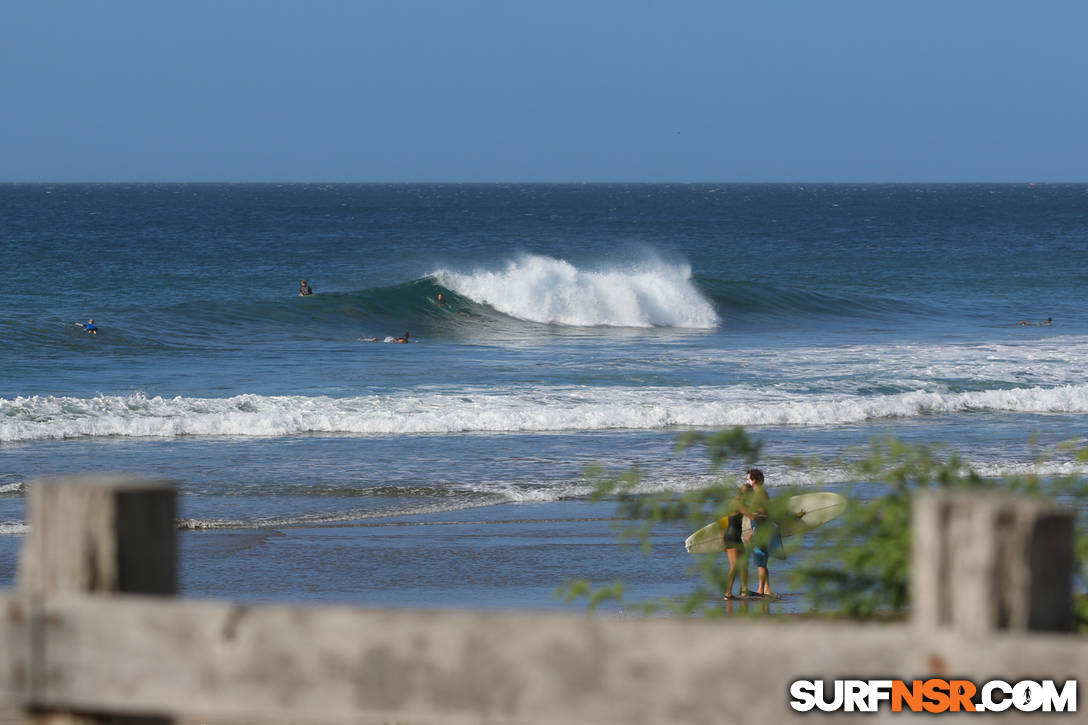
x=751 y=501
x=751 y=508
x=768 y=540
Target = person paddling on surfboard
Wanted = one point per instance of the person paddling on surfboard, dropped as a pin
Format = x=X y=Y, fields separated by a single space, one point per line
x=402 y=340
x=89 y=326
x=304 y=289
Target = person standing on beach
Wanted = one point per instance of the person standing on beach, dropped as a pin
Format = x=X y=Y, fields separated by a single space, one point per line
x=304 y=289
x=734 y=545
x=766 y=540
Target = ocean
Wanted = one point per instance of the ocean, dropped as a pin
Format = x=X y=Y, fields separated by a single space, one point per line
x=583 y=324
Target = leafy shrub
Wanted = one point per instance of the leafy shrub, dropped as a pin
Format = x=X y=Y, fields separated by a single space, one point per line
x=859 y=566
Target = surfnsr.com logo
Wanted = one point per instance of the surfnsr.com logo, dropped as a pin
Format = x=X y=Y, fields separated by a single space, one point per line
x=933 y=695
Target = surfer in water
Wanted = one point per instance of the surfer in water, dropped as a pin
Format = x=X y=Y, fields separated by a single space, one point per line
x=1044 y=323
x=404 y=339
x=442 y=300
x=89 y=326
x=304 y=289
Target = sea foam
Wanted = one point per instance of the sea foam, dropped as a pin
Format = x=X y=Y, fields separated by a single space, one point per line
x=525 y=409
x=649 y=293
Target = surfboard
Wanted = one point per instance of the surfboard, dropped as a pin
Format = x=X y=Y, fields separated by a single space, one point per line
x=706 y=540
x=818 y=508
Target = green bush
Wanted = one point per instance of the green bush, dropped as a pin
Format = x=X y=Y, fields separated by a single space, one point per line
x=859 y=566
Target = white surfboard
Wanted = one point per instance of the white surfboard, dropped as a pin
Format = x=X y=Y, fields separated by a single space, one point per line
x=706 y=540
x=812 y=510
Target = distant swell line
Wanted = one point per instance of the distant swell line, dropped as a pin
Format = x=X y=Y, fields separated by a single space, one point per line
x=542 y=410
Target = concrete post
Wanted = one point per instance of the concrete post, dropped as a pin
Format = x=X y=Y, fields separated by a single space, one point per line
x=985 y=561
x=95 y=534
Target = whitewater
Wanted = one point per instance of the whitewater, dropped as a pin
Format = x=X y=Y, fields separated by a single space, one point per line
x=537 y=410
x=580 y=326
x=644 y=293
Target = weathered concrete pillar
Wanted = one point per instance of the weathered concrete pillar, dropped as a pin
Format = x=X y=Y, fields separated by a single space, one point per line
x=985 y=561
x=103 y=534
x=96 y=534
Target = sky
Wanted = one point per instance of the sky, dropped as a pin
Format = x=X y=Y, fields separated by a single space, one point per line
x=543 y=90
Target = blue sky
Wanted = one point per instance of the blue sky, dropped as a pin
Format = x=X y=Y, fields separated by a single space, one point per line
x=592 y=90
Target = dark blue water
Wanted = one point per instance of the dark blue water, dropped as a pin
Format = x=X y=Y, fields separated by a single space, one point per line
x=582 y=323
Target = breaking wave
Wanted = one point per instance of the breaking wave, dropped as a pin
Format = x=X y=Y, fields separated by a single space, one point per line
x=546 y=290
x=498 y=410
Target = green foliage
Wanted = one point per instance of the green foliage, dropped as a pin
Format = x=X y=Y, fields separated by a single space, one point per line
x=860 y=565
x=578 y=588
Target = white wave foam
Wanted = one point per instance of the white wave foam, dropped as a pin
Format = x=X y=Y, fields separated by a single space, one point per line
x=543 y=289
x=8 y=528
x=11 y=488
x=828 y=475
x=337 y=518
x=1040 y=363
x=521 y=410
x=1046 y=469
